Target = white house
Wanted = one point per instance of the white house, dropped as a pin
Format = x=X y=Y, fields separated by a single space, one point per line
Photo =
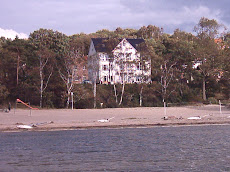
x=124 y=63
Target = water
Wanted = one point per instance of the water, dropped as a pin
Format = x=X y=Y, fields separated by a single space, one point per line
x=190 y=148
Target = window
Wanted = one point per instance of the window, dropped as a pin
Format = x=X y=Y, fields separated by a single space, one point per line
x=76 y=78
x=104 y=67
x=83 y=78
x=128 y=56
x=84 y=67
x=105 y=78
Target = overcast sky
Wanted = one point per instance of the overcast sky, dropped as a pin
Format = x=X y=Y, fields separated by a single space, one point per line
x=22 y=17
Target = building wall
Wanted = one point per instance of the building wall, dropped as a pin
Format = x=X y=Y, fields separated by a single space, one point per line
x=124 y=66
x=92 y=63
x=80 y=71
x=128 y=65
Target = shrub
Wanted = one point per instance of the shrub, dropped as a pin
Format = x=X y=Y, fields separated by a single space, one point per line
x=212 y=100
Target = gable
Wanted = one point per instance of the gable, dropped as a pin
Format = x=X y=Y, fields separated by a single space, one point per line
x=100 y=45
x=124 y=45
x=91 y=49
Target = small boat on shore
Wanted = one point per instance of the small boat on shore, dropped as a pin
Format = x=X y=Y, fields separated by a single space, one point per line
x=105 y=120
x=24 y=127
x=194 y=117
x=30 y=126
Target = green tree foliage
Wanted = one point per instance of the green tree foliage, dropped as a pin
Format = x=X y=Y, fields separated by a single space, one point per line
x=207 y=50
x=34 y=69
x=16 y=64
x=207 y=28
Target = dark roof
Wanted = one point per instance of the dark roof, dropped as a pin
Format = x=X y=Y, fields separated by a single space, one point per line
x=101 y=47
x=135 y=42
x=98 y=44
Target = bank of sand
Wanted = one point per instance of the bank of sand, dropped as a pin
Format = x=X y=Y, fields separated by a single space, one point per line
x=61 y=119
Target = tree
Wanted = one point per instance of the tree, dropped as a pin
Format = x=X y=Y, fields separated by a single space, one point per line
x=225 y=67
x=207 y=28
x=206 y=49
x=72 y=55
x=43 y=41
x=117 y=55
x=150 y=32
x=171 y=64
x=15 y=60
x=144 y=63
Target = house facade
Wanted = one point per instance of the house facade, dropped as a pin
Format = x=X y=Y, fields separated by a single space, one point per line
x=123 y=63
x=80 y=71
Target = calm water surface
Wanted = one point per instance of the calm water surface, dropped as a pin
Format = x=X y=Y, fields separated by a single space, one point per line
x=190 y=148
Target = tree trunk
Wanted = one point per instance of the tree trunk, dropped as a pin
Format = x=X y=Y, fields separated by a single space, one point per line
x=41 y=88
x=165 y=110
x=18 y=67
x=204 y=90
x=115 y=92
x=122 y=93
x=141 y=95
x=68 y=100
x=94 y=93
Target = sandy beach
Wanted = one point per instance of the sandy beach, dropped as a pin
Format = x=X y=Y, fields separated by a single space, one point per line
x=67 y=119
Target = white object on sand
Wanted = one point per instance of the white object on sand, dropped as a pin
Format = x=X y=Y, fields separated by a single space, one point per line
x=195 y=117
x=30 y=126
x=105 y=120
x=24 y=126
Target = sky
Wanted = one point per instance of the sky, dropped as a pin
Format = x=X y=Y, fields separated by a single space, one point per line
x=22 y=17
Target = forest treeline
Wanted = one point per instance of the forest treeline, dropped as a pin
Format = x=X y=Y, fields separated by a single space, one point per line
x=37 y=69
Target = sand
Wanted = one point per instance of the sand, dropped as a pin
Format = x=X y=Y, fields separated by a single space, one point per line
x=67 y=119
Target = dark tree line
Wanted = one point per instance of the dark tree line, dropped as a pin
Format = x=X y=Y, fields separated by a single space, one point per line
x=38 y=70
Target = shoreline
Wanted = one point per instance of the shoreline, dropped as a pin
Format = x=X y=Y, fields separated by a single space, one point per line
x=69 y=128
x=140 y=117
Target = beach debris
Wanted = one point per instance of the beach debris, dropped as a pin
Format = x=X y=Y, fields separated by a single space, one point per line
x=26 y=104
x=171 y=117
x=24 y=126
x=194 y=117
x=105 y=120
x=30 y=126
x=42 y=123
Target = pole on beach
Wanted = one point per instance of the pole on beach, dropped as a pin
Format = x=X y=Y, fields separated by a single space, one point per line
x=72 y=99
x=164 y=107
